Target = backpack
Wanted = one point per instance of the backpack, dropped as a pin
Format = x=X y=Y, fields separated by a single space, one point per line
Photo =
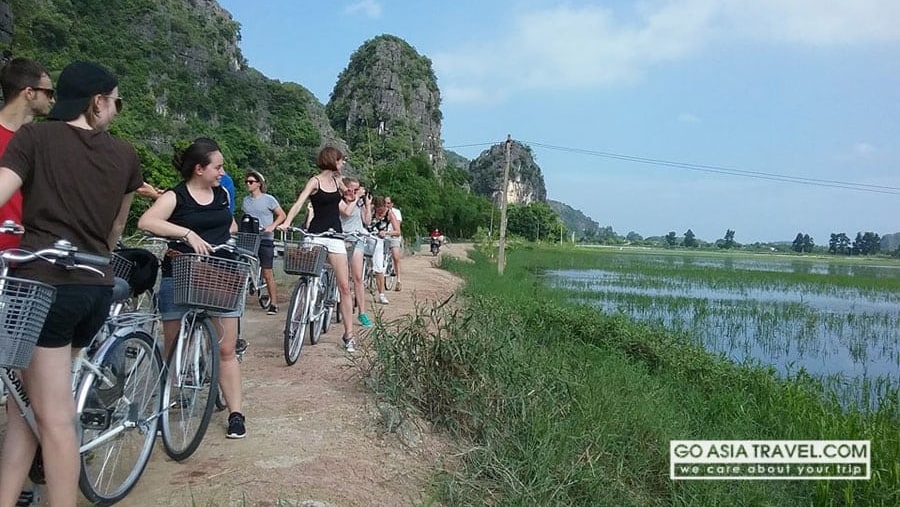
x=146 y=268
x=249 y=223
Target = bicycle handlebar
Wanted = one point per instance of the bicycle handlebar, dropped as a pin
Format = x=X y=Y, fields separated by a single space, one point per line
x=330 y=233
x=228 y=246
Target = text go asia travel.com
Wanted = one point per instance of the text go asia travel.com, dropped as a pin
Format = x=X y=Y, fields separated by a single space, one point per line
x=770 y=459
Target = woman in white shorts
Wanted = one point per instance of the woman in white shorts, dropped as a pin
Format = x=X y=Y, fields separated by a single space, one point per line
x=384 y=226
x=324 y=191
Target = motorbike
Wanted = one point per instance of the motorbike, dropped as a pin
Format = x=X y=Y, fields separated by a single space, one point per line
x=435 y=246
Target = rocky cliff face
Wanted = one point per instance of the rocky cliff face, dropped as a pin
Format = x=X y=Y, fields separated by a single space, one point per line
x=6 y=24
x=386 y=103
x=526 y=183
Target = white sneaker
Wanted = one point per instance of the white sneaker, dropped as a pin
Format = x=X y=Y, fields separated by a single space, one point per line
x=349 y=345
x=383 y=299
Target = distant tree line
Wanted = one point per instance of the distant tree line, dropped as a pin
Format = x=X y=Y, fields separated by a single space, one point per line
x=867 y=243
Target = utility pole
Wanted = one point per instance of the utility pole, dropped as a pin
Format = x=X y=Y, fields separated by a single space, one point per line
x=501 y=256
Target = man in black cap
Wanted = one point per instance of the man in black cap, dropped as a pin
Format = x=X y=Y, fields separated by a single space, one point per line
x=80 y=182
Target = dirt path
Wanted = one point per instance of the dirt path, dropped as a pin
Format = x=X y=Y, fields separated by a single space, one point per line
x=312 y=430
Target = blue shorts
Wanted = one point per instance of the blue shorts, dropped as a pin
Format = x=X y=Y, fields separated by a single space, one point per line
x=168 y=310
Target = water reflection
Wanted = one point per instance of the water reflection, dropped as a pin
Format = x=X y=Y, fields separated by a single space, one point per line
x=831 y=331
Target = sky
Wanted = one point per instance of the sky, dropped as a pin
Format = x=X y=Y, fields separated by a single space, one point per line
x=648 y=116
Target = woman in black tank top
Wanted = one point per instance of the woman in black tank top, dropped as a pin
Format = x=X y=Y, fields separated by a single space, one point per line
x=197 y=211
x=324 y=191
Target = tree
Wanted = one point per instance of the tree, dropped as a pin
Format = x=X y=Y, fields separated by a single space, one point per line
x=671 y=239
x=803 y=243
x=689 y=240
x=839 y=244
x=866 y=244
x=634 y=237
x=728 y=241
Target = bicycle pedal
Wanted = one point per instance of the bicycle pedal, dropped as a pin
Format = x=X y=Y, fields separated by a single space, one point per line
x=96 y=418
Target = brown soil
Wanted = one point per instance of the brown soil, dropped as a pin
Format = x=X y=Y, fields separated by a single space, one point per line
x=313 y=432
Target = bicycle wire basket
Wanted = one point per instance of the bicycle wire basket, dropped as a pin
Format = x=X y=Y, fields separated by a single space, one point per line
x=370 y=247
x=121 y=266
x=24 y=305
x=248 y=241
x=213 y=283
x=304 y=258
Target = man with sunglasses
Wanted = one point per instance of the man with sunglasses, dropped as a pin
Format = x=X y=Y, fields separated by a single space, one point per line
x=27 y=92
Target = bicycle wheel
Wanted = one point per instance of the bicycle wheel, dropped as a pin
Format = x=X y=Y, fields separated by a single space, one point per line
x=191 y=390
x=390 y=274
x=369 y=276
x=123 y=417
x=317 y=314
x=331 y=303
x=295 y=322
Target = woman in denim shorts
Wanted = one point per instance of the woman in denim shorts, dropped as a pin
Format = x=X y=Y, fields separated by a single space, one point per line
x=197 y=211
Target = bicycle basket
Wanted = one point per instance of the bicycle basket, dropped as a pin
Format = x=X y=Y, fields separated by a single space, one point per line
x=248 y=241
x=209 y=282
x=23 y=307
x=370 y=247
x=304 y=259
x=121 y=266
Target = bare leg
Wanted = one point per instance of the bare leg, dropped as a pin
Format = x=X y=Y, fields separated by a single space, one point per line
x=342 y=275
x=395 y=253
x=269 y=277
x=50 y=391
x=229 y=368
x=358 y=287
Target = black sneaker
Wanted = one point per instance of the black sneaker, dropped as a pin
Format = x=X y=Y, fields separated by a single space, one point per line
x=272 y=310
x=236 y=427
x=241 y=346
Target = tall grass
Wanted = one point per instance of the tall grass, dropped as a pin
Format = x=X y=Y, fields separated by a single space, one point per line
x=558 y=404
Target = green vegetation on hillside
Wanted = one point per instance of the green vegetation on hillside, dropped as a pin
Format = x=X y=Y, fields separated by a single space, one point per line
x=182 y=76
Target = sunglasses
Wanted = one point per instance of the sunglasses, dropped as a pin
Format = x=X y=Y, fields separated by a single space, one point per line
x=50 y=92
x=250 y=182
x=118 y=101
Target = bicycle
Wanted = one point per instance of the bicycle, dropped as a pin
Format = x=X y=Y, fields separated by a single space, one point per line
x=390 y=274
x=204 y=283
x=257 y=286
x=315 y=288
x=117 y=381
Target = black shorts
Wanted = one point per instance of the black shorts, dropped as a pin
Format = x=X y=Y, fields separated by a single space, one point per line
x=266 y=253
x=76 y=315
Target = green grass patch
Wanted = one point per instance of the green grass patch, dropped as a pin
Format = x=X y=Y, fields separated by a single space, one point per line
x=559 y=404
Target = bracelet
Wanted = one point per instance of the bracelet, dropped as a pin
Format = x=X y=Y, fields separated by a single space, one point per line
x=185 y=237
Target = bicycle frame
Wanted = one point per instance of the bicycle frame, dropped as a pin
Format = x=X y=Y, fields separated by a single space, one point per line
x=82 y=364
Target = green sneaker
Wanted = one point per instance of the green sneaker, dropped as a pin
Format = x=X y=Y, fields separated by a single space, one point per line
x=364 y=320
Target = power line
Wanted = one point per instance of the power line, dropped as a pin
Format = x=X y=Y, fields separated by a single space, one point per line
x=707 y=168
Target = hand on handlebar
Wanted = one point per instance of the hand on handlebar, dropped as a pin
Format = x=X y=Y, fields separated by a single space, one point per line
x=198 y=244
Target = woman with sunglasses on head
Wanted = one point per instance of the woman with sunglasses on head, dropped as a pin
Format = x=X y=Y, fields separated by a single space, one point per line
x=266 y=209
x=356 y=214
x=77 y=183
x=198 y=212
x=324 y=191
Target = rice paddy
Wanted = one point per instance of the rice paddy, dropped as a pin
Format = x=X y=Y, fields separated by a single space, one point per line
x=838 y=322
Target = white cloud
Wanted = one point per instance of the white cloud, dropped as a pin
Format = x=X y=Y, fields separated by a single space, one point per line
x=862 y=149
x=688 y=118
x=370 y=8
x=566 y=47
x=816 y=22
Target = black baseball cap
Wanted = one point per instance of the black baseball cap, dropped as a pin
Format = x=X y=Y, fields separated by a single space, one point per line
x=77 y=83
